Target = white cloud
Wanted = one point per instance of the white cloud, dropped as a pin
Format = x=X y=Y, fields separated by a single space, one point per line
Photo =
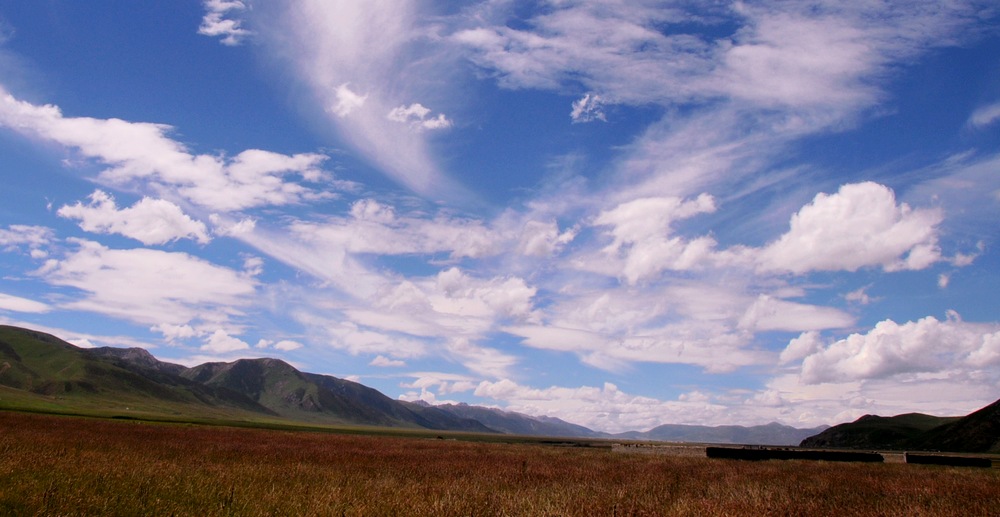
x=588 y=109
x=891 y=349
x=347 y=101
x=583 y=42
x=376 y=228
x=797 y=59
x=215 y=23
x=140 y=152
x=147 y=286
x=859 y=296
x=381 y=48
x=34 y=237
x=226 y=227
x=150 y=221
x=174 y=332
x=806 y=344
x=641 y=229
x=605 y=408
x=385 y=362
x=482 y=360
x=10 y=302
x=542 y=239
x=415 y=115
x=284 y=345
x=859 y=226
x=768 y=313
x=353 y=336
x=985 y=115
x=220 y=342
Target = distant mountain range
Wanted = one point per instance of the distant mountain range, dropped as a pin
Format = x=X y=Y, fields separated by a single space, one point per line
x=769 y=434
x=976 y=432
x=43 y=373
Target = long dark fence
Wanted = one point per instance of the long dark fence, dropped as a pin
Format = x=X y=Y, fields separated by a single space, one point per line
x=953 y=461
x=758 y=454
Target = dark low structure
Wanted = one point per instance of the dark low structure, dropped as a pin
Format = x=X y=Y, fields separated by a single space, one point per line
x=952 y=461
x=769 y=453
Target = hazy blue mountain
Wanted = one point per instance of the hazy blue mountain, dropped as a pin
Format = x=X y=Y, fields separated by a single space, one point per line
x=516 y=423
x=769 y=434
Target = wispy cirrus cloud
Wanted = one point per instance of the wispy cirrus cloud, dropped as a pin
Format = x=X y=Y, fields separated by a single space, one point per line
x=985 y=115
x=371 y=64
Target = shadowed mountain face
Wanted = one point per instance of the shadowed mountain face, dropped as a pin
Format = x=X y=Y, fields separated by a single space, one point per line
x=977 y=432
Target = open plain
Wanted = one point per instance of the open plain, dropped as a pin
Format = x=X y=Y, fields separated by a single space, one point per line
x=58 y=465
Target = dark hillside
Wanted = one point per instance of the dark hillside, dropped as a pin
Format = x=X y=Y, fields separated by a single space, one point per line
x=977 y=432
x=877 y=432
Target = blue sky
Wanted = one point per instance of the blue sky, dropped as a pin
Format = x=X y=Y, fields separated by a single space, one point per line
x=623 y=213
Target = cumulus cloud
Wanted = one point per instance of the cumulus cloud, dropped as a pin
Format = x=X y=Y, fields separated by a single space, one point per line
x=892 y=349
x=215 y=23
x=220 y=342
x=284 y=345
x=140 y=152
x=860 y=225
x=150 y=221
x=641 y=230
x=801 y=347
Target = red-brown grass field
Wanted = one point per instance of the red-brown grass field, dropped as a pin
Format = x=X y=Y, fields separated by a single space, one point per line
x=53 y=465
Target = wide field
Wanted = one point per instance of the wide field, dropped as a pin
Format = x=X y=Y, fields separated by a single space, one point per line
x=51 y=465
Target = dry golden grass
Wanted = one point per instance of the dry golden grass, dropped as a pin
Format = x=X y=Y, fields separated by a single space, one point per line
x=73 y=466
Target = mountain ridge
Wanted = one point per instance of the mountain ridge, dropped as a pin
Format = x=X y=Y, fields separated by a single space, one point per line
x=977 y=432
x=41 y=369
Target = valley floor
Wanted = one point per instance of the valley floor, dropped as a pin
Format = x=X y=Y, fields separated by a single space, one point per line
x=52 y=465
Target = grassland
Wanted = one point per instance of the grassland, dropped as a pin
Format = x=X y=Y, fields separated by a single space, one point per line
x=52 y=465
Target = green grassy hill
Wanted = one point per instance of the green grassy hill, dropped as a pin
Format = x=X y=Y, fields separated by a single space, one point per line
x=40 y=371
x=43 y=373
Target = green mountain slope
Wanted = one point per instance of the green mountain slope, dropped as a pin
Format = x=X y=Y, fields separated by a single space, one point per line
x=308 y=397
x=40 y=369
x=41 y=372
